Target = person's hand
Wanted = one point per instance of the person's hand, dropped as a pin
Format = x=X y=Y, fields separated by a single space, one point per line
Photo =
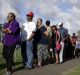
x=63 y=40
x=57 y=42
x=4 y=30
x=8 y=30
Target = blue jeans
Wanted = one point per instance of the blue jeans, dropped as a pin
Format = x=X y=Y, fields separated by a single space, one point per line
x=29 y=45
x=23 y=52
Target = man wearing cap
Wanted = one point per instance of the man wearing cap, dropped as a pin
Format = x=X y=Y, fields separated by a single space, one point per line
x=63 y=34
x=27 y=34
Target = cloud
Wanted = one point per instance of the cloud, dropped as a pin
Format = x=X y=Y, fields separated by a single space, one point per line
x=6 y=8
x=55 y=10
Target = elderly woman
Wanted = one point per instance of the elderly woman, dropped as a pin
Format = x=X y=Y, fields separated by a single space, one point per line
x=11 y=39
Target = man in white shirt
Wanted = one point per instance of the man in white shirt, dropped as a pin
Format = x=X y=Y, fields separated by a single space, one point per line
x=28 y=31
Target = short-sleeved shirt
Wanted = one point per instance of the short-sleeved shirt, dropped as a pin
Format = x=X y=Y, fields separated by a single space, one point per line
x=40 y=37
x=14 y=37
x=26 y=30
x=63 y=33
x=49 y=31
x=74 y=39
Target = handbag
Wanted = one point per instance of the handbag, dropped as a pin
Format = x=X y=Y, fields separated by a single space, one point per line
x=58 y=46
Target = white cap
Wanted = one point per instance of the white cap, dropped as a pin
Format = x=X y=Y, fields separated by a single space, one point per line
x=59 y=24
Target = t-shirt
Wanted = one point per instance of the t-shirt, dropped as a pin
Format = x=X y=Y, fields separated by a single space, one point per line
x=49 y=31
x=63 y=33
x=37 y=36
x=74 y=39
x=26 y=30
x=40 y=37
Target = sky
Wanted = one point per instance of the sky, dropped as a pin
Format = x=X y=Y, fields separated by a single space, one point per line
x=66 y=11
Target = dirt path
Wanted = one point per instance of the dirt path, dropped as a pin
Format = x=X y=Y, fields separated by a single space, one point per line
x=51 y=69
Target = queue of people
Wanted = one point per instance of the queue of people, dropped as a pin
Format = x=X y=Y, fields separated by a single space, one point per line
x=44 y=43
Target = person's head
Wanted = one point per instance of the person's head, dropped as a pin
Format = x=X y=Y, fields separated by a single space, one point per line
x=60 y=25
x=74 y=34
x=39 y=22
x=30 y=16
x=11 y=17
x=47 y=23
x=54 y=28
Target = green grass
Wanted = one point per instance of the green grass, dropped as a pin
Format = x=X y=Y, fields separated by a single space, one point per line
x=75 y=71
x=18 y=63
x=17 y=59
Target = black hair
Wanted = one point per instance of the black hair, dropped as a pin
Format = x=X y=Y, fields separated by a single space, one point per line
x=48 y=23
x=73 y=33
x=54 y=27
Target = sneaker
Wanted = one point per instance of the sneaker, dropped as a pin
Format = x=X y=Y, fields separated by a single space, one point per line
x=8 y=73
x=28 y=68
x=61 y=62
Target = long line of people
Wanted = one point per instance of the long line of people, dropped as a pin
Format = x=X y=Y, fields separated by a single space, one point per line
x=45 y=43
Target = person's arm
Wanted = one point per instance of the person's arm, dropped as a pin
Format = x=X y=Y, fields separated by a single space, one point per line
x=8 y=31
x=71 y=40
x=58 y=33
x=31 y=37
x=44 y=31
x=13 y=29
x=66 y=34
x=22 y=27
x=4 y=30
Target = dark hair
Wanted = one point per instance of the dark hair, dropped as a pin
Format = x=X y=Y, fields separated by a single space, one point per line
x=47 y=23
x=54 y=27
x=40 y=19
x=13 y=15
x=74 y=34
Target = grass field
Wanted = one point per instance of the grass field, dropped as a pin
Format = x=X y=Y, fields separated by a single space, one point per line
x=74 y=71
x=18 y=63
x=17 y=59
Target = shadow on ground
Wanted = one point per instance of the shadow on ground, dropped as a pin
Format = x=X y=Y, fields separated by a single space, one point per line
x=3 y=66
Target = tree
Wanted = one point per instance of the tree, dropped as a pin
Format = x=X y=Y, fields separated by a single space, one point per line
x=79 y=32
x=0 y=27
x=0 y=32
x=78 y=35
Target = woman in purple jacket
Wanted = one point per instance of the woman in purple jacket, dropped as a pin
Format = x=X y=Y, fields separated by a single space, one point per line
x=11 y=30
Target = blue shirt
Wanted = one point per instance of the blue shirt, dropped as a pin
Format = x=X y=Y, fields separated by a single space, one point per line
x=63 y=33
x=14 y=37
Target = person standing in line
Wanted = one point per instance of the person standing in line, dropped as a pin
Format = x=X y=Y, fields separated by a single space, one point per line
x=23 y=45
x=63 y=35
x=56 y=40
x=11 y=30
x=28 y=32
x=49 y=30
x=42 y=51
x=73 y=40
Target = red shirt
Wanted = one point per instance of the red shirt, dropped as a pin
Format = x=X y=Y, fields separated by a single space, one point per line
x=74 y=39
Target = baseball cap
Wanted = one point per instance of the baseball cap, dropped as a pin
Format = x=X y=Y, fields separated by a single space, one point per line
x=60 y=24
x=30 y=14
